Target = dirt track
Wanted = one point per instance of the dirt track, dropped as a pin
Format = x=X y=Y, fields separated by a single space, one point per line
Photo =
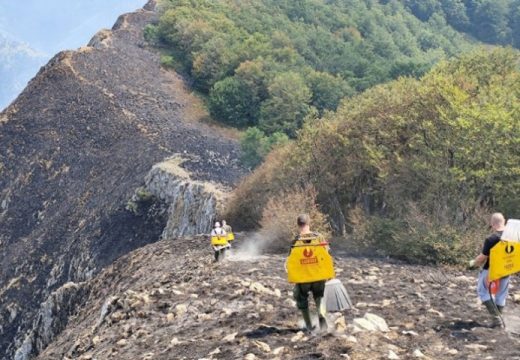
x=169 y=301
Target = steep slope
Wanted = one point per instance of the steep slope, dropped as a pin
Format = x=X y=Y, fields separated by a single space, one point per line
x=74 y=147
x=491 y=21
x=169 y=301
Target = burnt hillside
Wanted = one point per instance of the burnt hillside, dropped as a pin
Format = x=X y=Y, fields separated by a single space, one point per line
x=155 y=304
x=74 y=147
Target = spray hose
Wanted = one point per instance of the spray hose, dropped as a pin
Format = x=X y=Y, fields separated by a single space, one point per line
x=496 y=308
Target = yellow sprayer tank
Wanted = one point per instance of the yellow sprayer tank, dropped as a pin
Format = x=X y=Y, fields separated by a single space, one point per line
x=310 y=262
x=219 y=240
x=505 y=255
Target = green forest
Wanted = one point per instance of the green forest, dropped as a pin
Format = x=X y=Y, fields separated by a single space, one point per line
x=271 y=64
x=410 y=167
x=394 y=114
x=267 y=65
x=491 y=21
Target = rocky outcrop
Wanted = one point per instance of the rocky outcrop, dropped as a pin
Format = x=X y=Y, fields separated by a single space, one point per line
x=191 y=205
x=169 y=301
x=52 y=318
x=74 y=147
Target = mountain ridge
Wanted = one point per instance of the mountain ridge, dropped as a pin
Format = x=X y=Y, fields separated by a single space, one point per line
x=75 y=148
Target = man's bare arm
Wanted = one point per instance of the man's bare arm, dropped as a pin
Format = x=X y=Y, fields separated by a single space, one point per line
x=479 y=260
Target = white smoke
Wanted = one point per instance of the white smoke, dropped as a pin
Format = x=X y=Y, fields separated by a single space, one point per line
x=251 y=248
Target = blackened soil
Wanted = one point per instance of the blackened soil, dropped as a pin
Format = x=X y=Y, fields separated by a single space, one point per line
x=170 y=301
x=73 y=148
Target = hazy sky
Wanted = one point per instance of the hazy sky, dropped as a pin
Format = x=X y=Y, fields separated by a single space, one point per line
x=47 y=27
x=54 y=25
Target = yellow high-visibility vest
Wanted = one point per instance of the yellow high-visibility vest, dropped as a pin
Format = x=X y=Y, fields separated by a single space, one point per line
x=230 y=236
x=310 y=262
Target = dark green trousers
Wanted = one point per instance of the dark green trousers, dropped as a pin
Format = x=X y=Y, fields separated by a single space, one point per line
x=301 y=293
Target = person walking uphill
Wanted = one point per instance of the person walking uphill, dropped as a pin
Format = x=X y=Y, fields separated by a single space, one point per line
x=219 y=241
x=495 y=307
x=229 y=231
x=309 y=266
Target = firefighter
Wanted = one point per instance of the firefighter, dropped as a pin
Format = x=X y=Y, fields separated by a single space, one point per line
x=309 y=266
x=494 y=306
x=219 y=242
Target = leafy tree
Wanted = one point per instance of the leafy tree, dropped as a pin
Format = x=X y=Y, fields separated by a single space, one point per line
x=491 y=21
x=456 y=15
x=277 y=139
x=233 y=102
x=236 y=100
x=254 y=75
x=514 y=21
x=151 y=33
x=410 y=68
x=255 y=145
x=215 y=61
x=327 y=90
x=423 y=9
x=287 y=106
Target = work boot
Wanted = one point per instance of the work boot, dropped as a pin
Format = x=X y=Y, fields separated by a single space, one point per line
x=307 y=318
x=500 y=308
x=323 y=323
x=321 y=315
x=495 y=313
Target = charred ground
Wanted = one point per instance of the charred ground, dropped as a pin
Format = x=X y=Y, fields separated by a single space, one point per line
x=169 y=301
x=74 y=147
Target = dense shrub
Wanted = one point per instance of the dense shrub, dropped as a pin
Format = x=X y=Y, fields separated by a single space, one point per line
x=256 y=145
x=278 y=221
x=419 y=237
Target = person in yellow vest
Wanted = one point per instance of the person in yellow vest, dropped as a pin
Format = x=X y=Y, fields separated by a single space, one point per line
x=301 y=290
x=495 y=307
x=228 y=230
x=219 y=247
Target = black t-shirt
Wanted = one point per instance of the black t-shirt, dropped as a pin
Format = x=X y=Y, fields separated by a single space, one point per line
x=488 y=245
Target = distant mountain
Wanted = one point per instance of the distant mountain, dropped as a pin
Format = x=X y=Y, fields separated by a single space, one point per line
x=17 y=65
x=54 y=25
x=32 y=31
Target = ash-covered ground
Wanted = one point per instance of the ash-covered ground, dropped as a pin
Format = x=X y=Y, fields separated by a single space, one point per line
x=74 y=147
x=168 y=300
